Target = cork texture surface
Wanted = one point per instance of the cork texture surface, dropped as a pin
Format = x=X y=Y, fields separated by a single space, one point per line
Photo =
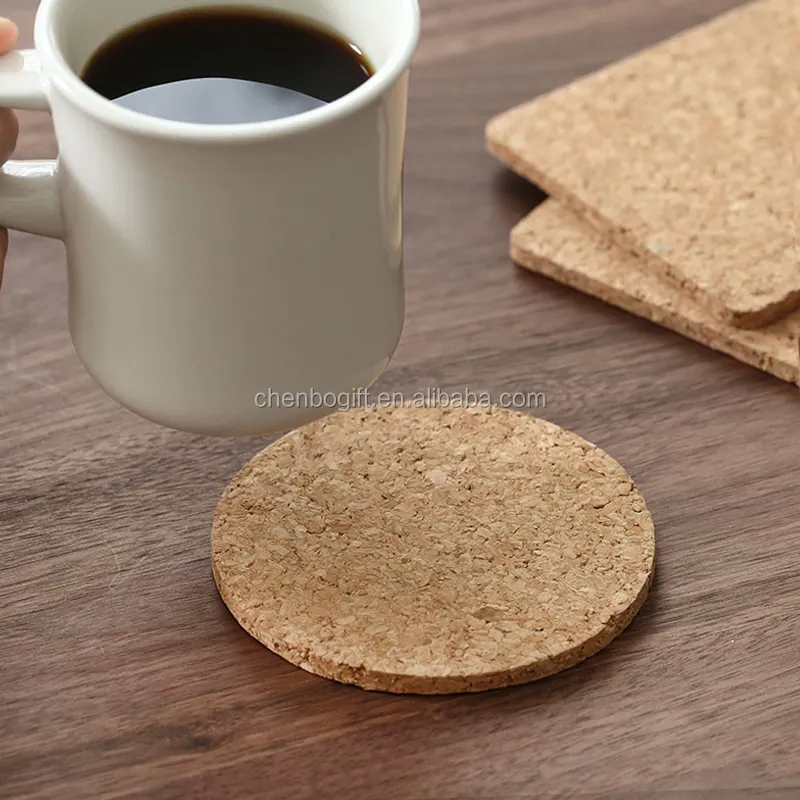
x=554 y=241
x=686 y=154
x=433 y=550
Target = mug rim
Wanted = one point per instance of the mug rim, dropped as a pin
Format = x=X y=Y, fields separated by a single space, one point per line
x=58 y=73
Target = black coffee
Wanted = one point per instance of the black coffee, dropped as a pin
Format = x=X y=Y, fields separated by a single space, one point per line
x=226 y=66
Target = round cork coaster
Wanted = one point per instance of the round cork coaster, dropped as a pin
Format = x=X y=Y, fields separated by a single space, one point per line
x=433 y=550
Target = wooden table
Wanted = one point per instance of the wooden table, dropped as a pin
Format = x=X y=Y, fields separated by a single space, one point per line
x=123 y=675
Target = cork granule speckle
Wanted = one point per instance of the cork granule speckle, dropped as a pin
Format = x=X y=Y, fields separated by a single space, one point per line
x=433 y=550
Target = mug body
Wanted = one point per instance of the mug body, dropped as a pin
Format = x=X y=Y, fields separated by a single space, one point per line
x=222 y=277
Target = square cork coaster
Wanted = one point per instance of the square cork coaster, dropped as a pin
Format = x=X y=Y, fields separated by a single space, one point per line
x=687 y=155
x=553 y=241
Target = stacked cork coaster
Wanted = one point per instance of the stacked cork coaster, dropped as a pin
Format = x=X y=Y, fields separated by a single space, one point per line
x=674 y=179
x=433 y=550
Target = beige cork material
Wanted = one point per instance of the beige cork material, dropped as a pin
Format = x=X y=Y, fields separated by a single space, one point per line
x=553 y=241
x=433 y=550
x=687 y=155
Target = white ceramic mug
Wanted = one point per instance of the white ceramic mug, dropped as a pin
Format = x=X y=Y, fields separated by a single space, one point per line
x=211 y=267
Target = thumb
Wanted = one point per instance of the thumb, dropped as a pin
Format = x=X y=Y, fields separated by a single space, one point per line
x=9 y=33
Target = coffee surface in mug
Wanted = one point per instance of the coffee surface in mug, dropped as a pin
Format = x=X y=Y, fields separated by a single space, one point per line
x=226 y=66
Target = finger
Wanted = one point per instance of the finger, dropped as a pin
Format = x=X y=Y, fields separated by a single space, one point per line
x=9 y=130
x=9 y=127
x=9 y=33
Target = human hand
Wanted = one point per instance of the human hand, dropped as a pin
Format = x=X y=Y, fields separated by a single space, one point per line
x=9 y=128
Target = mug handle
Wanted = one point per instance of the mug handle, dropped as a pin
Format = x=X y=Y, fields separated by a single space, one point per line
x=29 y=199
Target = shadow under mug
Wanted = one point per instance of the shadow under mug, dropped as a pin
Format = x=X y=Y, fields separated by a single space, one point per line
x=218 y=272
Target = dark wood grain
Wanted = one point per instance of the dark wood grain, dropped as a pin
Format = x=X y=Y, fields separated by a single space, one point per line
x=123 y=676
